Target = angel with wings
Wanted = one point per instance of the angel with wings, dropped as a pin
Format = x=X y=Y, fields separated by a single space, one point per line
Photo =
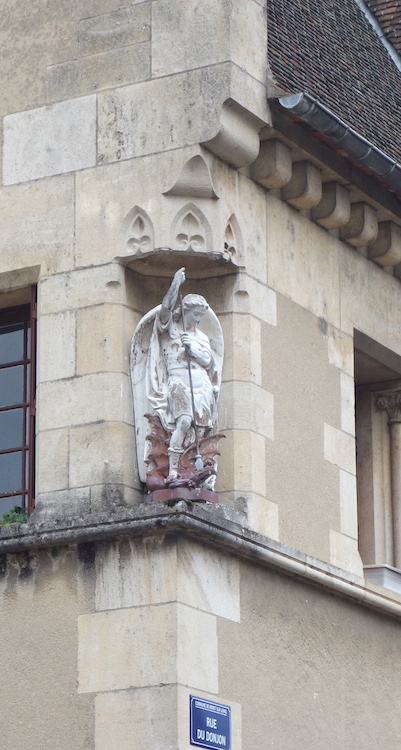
x=177 y=361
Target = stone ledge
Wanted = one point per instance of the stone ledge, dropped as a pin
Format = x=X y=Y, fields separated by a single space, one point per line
x=217 y=525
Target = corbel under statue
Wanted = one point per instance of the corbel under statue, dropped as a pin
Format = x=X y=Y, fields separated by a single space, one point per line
x=176 y=365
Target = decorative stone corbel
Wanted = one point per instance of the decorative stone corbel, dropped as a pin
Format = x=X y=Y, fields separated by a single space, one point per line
x=194 y=180
x=304 y=190
x=391 y=403
x=334 y=209
x=386 y=249
x=362 y=227
x=237 y=140
x=273 y=167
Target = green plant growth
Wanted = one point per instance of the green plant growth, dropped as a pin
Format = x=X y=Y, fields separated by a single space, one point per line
x=15 y=515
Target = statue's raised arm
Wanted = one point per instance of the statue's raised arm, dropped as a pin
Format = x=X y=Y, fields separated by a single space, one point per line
x=177 y=353
x=170 y=299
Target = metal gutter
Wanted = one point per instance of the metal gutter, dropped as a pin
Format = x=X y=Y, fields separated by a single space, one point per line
x=323 y=121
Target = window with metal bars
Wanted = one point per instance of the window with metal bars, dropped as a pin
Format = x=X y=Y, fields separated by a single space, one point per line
x=17 y=405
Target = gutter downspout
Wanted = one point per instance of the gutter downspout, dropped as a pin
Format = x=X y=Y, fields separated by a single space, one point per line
x=322 y=120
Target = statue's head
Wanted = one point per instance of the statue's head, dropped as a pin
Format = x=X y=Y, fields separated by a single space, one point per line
x=194 y=306
x=194 y=300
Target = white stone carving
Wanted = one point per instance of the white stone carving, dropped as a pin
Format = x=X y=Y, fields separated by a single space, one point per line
x=191 y=230
x=176 y=364
x=140 y=232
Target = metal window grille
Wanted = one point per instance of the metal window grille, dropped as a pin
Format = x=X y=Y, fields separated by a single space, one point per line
x=17 y=405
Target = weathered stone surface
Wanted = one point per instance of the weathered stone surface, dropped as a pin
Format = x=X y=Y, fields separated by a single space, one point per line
x=199 y=35
x=246 y=406
x=52 y=460
x=84 y=287
x=116 y=67
x=201 y=94
x=37 y=227
x=295 y=244
x=57 y=346
x=125 y=642
x=49 y=140
x=102 y=454
x=339 y=448
x=344 y=553
x=98 y=348
x=70 y=401
x=120 y=28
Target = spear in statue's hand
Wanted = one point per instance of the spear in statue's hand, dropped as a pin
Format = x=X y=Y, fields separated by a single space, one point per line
x=198 y=457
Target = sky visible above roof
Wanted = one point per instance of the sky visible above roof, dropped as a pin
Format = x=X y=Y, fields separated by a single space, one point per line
x=330 y=50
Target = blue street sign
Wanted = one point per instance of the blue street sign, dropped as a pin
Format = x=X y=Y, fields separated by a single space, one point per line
x=210 y=724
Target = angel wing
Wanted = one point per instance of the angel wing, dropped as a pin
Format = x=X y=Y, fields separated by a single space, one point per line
x=141 y=362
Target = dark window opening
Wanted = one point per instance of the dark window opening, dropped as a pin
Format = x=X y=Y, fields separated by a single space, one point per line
x=17 y=406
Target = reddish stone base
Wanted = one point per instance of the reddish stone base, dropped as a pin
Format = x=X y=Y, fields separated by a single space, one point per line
x=184 y=493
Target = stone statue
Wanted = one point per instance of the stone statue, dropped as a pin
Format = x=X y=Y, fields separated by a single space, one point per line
x=177 y=357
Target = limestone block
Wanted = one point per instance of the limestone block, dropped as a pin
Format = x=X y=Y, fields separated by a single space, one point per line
x=273 y=167
x=242 y=336
x=145 y=646
x=347 y=386
x=154 y=560
x=82 y=288
x=334 y=209
x=339 y=448
x=145 y=719
x=208 y=580
x=310 y=257
x=248 y=38
x=120 y=28
x=348 y=504
x=52 y=454
x=344 y=553
x=194 y=35
x=347 y=403
x=38 y=225
x=304 y=190
x=230 y=131
x=386 y=248
x=246 y=406
x=103 y=336
x=256 y=298
x=71 y=503
x=263 y=516
x=370 y=300
x=243 y=463
x=56 y=346
x=102 y=453
x=340 y=350
x=79 y=400
x=117 y=67
x=362 y=227
x=49 y=140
